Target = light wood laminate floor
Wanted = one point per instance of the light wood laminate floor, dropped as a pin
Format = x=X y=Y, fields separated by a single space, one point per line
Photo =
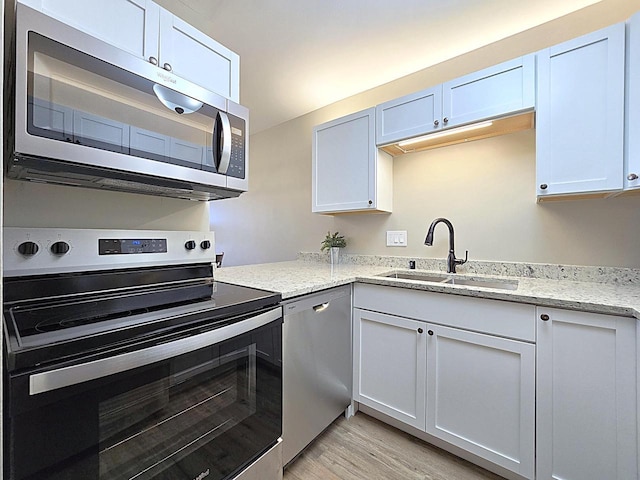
x=365 y=448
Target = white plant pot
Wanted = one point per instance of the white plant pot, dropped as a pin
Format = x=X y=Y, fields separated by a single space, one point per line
x=335 y=255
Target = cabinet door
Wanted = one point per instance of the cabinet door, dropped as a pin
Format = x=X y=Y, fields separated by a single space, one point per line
x=187 y=151
x=495 y=91
x=50 y=120
x=131 y=25
x=347 y=169
x=409 y=116
x=149 y=142
x=632 y=124
x=100 y=132
x=481 y=395
x=580 y=114
x=389 y=365
x=586 y=396
x=194 y=56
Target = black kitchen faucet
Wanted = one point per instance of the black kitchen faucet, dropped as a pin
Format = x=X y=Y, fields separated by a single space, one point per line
x=452 y=261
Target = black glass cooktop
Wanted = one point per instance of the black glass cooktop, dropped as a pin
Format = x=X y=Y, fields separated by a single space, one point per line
x=51 y=319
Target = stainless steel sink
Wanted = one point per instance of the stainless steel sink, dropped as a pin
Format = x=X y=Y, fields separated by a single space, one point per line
x=483 y=282
x=416 y=276
x=496 y=283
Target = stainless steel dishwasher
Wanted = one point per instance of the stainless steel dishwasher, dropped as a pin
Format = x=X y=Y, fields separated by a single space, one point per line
x=316 y=366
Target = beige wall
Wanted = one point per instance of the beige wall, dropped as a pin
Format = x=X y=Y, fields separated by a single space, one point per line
x=29 y=204
x=486 y=188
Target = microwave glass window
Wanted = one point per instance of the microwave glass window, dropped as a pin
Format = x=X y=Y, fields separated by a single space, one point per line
x=74 y=97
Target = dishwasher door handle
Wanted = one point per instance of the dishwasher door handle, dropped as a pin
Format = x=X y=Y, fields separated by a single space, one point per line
x=321 y=307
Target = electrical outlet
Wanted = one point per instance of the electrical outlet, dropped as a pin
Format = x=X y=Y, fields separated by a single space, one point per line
x=396 y=238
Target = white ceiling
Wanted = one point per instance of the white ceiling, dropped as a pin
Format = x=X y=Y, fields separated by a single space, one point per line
x=299 y=55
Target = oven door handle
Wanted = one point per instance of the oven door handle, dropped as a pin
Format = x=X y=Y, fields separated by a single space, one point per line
x=84 y=372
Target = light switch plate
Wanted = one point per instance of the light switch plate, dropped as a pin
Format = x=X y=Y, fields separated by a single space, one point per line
x=396 y=238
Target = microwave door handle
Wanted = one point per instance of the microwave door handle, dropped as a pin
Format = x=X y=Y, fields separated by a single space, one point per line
x=224 y=134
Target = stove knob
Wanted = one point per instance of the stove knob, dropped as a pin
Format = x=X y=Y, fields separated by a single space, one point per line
x=190 y=245
x=28 y=249
x=60 y=248
x=205 y=244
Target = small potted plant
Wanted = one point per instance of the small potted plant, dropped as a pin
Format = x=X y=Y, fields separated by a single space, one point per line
x=333 y=243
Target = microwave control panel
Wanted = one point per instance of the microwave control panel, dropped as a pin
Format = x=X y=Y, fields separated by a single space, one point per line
x=236 y=163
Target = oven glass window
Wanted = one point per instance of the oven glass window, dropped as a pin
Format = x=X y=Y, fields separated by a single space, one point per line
x=74 y=97
x=153 y=427
x=208 y=413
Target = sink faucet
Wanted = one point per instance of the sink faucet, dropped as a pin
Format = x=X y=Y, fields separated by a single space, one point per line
x=452 y=261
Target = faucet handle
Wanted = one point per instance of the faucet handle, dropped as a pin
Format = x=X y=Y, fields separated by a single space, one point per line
x=459 y=261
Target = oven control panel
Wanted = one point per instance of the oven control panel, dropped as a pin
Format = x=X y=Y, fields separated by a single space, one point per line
x=36 y=251
x=127 y=246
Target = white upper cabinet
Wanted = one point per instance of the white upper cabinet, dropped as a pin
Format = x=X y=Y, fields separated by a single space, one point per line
x=191 y=54
x=131 y=25
x=148 y=31
x=580 y=114
x=586 y=396
x=348 y=172
x=632 y=125
x=411 y=115
x=496 y=91
x=492 y=92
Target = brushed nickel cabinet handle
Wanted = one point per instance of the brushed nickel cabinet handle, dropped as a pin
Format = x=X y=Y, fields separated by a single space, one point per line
x=436 y=122
x=543 y=186
x=544 y=317
x=632 y=176
x=167 y=67
x=153 y=60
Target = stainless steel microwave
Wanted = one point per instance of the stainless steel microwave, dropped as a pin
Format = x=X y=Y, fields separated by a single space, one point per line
x=89 y=114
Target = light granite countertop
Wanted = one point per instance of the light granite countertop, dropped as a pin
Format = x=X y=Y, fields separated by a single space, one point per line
x=300 y=277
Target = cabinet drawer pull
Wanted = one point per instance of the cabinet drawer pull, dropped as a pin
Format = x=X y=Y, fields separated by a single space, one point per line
x=544 y=317
x=420 y=330
x=543 y=186
x=167 y=67
x=153 y=60
x=430 y=332
x=632 y=176
x=436 y=122
x=445 y=120
x=370 y=202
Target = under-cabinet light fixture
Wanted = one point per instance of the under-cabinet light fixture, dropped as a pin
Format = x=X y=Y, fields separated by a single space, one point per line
x=444 y=133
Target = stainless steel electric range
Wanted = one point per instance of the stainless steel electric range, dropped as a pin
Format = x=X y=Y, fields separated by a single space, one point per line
x=124 y=359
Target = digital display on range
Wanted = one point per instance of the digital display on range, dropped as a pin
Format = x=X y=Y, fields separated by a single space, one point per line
x=128 y=246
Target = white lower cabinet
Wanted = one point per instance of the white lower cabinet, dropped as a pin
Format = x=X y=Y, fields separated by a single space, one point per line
x=473 y=390
x=390 y=365
x=586 y=406
x=481 y=395
x=557 y=403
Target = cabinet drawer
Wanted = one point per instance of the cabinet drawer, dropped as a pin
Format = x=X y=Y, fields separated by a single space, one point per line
x=495 y=317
